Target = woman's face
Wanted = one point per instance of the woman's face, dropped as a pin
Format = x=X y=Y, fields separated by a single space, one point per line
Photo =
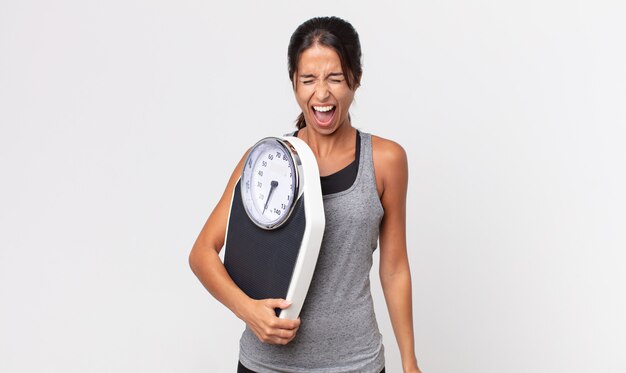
x=321 y=89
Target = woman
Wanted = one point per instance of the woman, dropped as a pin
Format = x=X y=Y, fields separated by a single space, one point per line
x=364 y=182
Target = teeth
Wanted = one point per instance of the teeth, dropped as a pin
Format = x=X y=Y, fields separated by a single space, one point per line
x=323 y=108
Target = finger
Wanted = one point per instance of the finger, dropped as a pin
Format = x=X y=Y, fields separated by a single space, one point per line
x=278 y=336
x=272 y=339
x=288 y=324
x=275 y=340
x=276 y=330
x=277 y=303
x=281 y=334
x=281 y=341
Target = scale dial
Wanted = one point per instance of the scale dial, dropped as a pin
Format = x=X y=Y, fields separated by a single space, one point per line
x=270 y=182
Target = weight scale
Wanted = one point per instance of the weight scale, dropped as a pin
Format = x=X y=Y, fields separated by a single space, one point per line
x=276 y=223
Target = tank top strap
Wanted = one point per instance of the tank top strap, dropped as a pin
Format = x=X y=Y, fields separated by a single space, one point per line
x=366 y=179
x=367 y=160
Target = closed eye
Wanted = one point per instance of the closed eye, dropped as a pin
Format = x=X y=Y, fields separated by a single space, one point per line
x=335 y=77
x=307 y=78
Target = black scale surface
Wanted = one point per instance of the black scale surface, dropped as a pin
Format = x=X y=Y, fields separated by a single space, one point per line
x=260 y=261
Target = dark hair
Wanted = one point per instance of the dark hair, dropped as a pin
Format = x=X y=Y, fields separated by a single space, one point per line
x=331 y=32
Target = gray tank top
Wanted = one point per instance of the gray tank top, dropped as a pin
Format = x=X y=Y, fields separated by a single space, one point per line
x=338 y=332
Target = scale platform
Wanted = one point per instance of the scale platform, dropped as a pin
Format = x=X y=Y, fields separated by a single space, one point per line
x=279 y=262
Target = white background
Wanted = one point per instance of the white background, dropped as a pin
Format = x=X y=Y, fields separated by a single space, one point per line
x=120 y=122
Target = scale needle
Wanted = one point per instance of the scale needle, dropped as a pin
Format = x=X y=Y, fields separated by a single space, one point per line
x=274 y=184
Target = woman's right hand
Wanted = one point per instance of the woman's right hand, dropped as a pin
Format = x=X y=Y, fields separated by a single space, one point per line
x=260 y=317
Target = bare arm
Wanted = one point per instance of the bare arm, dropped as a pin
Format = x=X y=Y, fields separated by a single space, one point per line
x=207 y=266
x=395 y=276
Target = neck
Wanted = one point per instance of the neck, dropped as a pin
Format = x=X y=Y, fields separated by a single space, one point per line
x=324 y=146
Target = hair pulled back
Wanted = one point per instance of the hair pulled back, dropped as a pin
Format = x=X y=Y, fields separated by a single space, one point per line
x=331 y=32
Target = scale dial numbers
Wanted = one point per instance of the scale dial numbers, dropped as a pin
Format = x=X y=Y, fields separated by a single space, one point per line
x=269 y=183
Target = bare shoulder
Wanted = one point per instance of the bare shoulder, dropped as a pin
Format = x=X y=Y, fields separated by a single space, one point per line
x=388 y=153
x=390 y=165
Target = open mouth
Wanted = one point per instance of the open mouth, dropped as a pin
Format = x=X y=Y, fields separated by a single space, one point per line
x=324 y=114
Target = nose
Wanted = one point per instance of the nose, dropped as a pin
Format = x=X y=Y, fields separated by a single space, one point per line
x=322 y=92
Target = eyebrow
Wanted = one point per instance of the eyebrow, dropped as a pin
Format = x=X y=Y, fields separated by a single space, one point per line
x=306 y=76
